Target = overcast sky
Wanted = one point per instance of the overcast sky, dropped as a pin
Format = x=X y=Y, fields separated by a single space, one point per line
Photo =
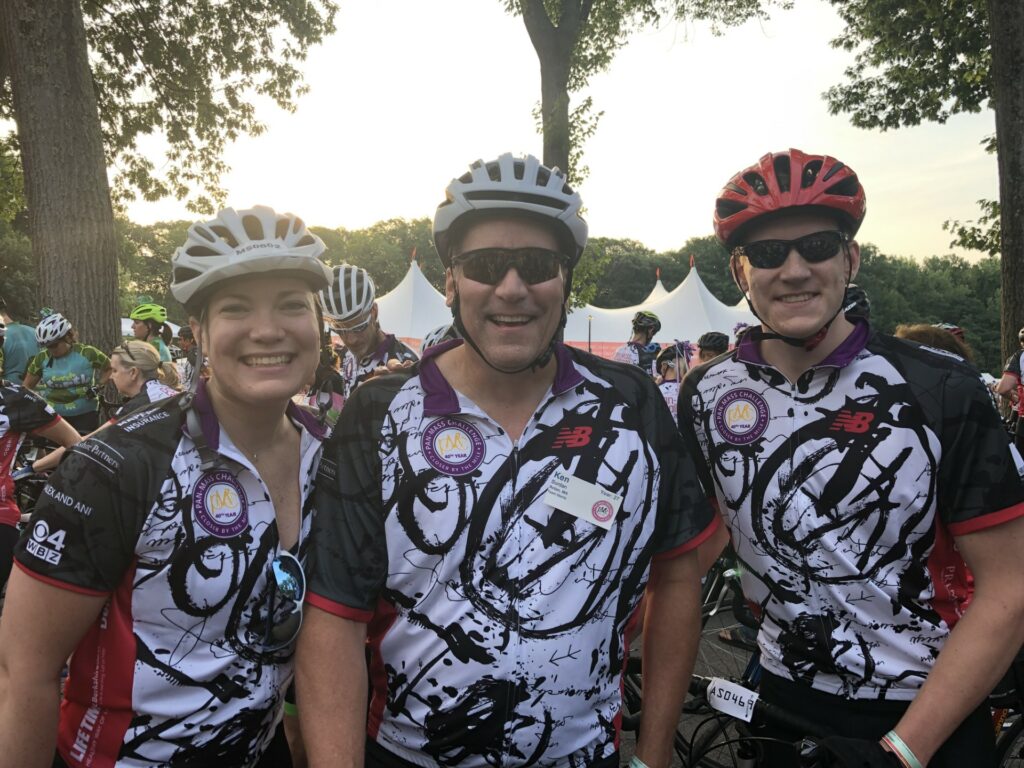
x=407 y=93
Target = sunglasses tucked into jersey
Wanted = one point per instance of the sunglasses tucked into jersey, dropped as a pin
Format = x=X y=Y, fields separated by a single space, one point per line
x=489 y=265
x=814 y=248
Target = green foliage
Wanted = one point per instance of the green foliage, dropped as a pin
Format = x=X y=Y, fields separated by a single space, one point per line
x=916 y=61
x=188 y=69
x=982 y=234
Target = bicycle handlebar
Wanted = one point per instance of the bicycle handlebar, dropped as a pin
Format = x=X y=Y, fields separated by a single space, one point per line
x=768 y=713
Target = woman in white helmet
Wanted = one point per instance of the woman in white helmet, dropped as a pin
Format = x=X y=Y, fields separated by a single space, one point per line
x=65 y=372
x=165 y=554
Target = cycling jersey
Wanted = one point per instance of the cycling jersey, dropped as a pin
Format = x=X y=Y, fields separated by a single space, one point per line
x=1012 y=367
x=161 y=348
x=670 y=391
x=498 y=624
x=355 y=372
x=174 y=671
x=843 y=492
x=20 y=346
x=642 y=356
x=64 y=382
x=21 y=412
x=152 y=391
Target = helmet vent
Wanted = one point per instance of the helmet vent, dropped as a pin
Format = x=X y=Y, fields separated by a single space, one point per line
x=833 y=171
x=521 y=197
x=519 y=170
x=199 y=250
x=225 y=234
x=810 y=174
x=736 y=188
x=253 y=227
x=756 y=182
x=281 y=228
x=727 y=208
x=846 y=188
x=782 y=175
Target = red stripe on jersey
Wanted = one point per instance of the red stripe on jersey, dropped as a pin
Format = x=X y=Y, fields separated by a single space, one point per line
x=97 y=708
x=379 y=626
x=337 y=609
x=693 y=543
x=987 y=521
x=951 y=578
x=60 y=584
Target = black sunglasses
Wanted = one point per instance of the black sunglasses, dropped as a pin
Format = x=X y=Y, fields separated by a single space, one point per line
x=489 y=265
x=284 y=601
x=814 y=248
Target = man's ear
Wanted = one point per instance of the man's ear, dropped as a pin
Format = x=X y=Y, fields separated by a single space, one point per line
x=449 y=287
x=853 y=254
x=739 y=276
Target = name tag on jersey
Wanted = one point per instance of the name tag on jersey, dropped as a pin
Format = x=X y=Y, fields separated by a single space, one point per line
x=581 y=499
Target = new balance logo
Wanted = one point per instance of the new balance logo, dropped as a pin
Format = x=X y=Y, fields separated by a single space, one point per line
x=572 y=437
x=856 y=422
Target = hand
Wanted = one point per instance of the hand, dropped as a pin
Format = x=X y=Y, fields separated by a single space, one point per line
x=394 y=365
x=841 y=752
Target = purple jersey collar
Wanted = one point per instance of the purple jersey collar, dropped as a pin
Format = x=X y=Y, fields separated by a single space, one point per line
x=749 y=351
x=440 y=399
x=211 y=427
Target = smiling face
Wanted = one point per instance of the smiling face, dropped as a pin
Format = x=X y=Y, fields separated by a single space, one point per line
x=798 y=298
x=512 y=322
x=261 y=338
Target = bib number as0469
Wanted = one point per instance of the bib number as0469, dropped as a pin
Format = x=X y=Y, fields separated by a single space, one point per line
x=731 y=699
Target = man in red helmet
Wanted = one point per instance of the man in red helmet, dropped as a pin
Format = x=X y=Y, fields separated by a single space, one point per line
x=859 y=477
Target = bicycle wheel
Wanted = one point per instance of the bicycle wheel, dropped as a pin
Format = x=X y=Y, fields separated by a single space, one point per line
x=1010 y=745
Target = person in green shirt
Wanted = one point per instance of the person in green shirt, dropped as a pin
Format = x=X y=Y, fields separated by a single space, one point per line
x=66 y=371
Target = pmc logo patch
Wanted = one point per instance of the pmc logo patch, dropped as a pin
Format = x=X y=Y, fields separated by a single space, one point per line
x=741 y=416
x=220 y=505
x=453 y=446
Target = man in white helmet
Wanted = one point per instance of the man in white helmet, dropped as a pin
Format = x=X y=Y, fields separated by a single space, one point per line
x=350 y=309
x=489 y=522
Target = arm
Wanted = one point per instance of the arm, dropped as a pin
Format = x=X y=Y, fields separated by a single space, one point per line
x=65 y=439
x=982 y=643
x=41 y=627
x=671 y=635
x=30 y=380
x=1006 y=385
x=331 y=687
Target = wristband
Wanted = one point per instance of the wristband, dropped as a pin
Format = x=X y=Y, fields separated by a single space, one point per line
x=903 y=752
x=636 y=762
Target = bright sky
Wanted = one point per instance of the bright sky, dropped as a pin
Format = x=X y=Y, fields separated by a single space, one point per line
x=407 y=93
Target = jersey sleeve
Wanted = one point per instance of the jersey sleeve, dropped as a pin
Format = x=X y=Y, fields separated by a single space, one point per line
x=86 y=523
x=98 y=360
x=26 y=411
x=35 y=365
x=980 y=472
x=685 y=518
x=348 y=555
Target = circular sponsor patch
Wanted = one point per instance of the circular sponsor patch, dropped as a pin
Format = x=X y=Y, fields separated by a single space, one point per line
x=220 y=504
x=602 y=511
x=453 y=446
x=741 y=416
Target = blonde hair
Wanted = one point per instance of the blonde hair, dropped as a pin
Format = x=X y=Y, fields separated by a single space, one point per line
x=135 y=353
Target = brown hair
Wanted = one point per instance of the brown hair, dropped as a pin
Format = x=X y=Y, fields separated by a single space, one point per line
x=931 y=336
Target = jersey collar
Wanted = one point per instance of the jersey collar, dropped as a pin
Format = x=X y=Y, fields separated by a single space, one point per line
x=749 y=351
x=440 y=399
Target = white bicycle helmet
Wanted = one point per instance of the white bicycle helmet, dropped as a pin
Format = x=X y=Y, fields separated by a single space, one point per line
x=350 y=295
x=52 y=329
x=516 y=184
x=440 y=334
x=245 y=242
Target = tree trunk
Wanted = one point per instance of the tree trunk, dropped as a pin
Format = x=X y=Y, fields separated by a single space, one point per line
x=71 y=222
x=1006 y=26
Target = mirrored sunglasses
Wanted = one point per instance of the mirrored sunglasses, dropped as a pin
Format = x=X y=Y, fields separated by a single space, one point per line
x=284 y=601
x=489 y=265
x=341 y=330
x=814 y=248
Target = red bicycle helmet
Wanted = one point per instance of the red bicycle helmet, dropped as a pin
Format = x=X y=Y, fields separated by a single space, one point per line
x=824 y=182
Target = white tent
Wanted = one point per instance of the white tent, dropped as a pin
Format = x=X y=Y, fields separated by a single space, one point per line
x=686 y=313
x=412 y=308
x=657 y=292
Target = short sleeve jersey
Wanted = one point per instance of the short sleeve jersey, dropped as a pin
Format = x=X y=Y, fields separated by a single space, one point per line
x=498 y=624
x=20 y=346
x=670 y=391
x=640 y=355
x=64 y=382
x=174 y=671
x=843 y=493
x=355 y=372
x=161 y=348
x=21 y=412
x=152 y=391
